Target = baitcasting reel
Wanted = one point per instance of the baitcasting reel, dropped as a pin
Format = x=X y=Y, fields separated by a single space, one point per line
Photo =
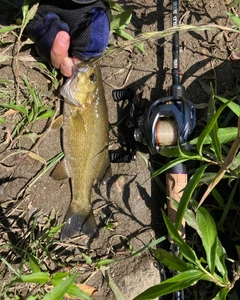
x=167 y=122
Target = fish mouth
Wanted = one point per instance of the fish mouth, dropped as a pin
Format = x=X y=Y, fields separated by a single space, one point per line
x=68 y=92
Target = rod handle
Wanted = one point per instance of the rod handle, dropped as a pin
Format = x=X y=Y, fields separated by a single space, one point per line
x=175 y=184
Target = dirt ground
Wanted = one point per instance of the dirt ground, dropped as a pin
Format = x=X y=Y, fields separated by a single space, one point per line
x=129 y=200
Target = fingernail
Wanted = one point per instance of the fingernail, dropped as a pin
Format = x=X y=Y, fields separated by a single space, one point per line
x=67 y=63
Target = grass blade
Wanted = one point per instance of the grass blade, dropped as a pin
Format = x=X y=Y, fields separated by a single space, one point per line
x=215 y=143
x=38 y=277
x=8 y=28
x=173 y=262
x=209 y=127
x=171 y=285
x=59 y=290
x=115 y=289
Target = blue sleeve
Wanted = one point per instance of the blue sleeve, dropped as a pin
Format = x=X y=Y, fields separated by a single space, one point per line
x=44 y=33
x=87 y=24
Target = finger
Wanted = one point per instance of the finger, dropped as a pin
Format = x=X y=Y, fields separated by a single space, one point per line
x=60 y=48
x=66 y=66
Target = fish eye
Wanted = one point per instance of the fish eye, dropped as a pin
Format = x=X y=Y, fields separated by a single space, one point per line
x=93 y=77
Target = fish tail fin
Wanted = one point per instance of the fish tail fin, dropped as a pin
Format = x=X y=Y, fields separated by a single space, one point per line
x=77 y=223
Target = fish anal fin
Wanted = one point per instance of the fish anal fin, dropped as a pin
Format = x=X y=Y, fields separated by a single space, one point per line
x=60 y=172
x=77 y=223
x=106 y=171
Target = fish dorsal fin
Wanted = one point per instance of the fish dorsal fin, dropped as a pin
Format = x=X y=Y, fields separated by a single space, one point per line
x=57 y=123
x=60 y=172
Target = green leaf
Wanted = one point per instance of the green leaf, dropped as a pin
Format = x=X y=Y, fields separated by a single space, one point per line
x=209 y=127
x=28 y=14
x=236 y=161
x=77 y=292
x=190 y=218
x=234 y=18
x=220 y=253
x=46 y=115
x=205 y=87
x=59 y=290
x=113 y=286
x=25 y=7
x=152 y=244
x=171 y=261
x=33 y=264
x=87 y=258
x=16 y=272
x=103 y=262
x=169 y=165
x=121 y=20
x=57 y=277
x=235 y=108
x=54 y=230
x=128 y=37
x=185 y=249
x=208 y=235
x=115 y=6
x=222 y=294
x=14 y=107
x=217 y=196
x=2 y=120
x=176 y=283
x=8 y=28
x=225 y=135
x=235 y=2
x=215 y=143
x=187 y=194
x=208 y=177
x=38 y=277
x=220 y=261
x=170 y=152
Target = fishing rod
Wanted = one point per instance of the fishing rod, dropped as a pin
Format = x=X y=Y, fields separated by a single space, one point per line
x=168 y=122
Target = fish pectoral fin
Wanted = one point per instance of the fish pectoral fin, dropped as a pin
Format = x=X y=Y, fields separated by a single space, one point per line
x=78 y=223
x=57 y=123
x=60 y=172
x=78 y=120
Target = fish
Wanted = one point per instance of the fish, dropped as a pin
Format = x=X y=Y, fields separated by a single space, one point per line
x=85 y=134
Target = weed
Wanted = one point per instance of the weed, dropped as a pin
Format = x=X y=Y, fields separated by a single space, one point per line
x=25 y=113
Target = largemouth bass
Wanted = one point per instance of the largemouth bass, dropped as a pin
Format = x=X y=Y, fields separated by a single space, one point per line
x=85 y=139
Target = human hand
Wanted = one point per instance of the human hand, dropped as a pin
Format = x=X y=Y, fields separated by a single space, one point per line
x=59 y=54
x=70 y=31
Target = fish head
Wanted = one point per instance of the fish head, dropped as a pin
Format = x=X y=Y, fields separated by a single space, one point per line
x=80 y=89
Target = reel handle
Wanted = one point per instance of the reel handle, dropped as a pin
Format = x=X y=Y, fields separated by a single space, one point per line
x=176 y=180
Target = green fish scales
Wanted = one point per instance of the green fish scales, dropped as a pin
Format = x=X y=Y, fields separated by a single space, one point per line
x=85 y=140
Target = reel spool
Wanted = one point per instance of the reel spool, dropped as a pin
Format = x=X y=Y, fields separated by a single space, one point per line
x=166 y=132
